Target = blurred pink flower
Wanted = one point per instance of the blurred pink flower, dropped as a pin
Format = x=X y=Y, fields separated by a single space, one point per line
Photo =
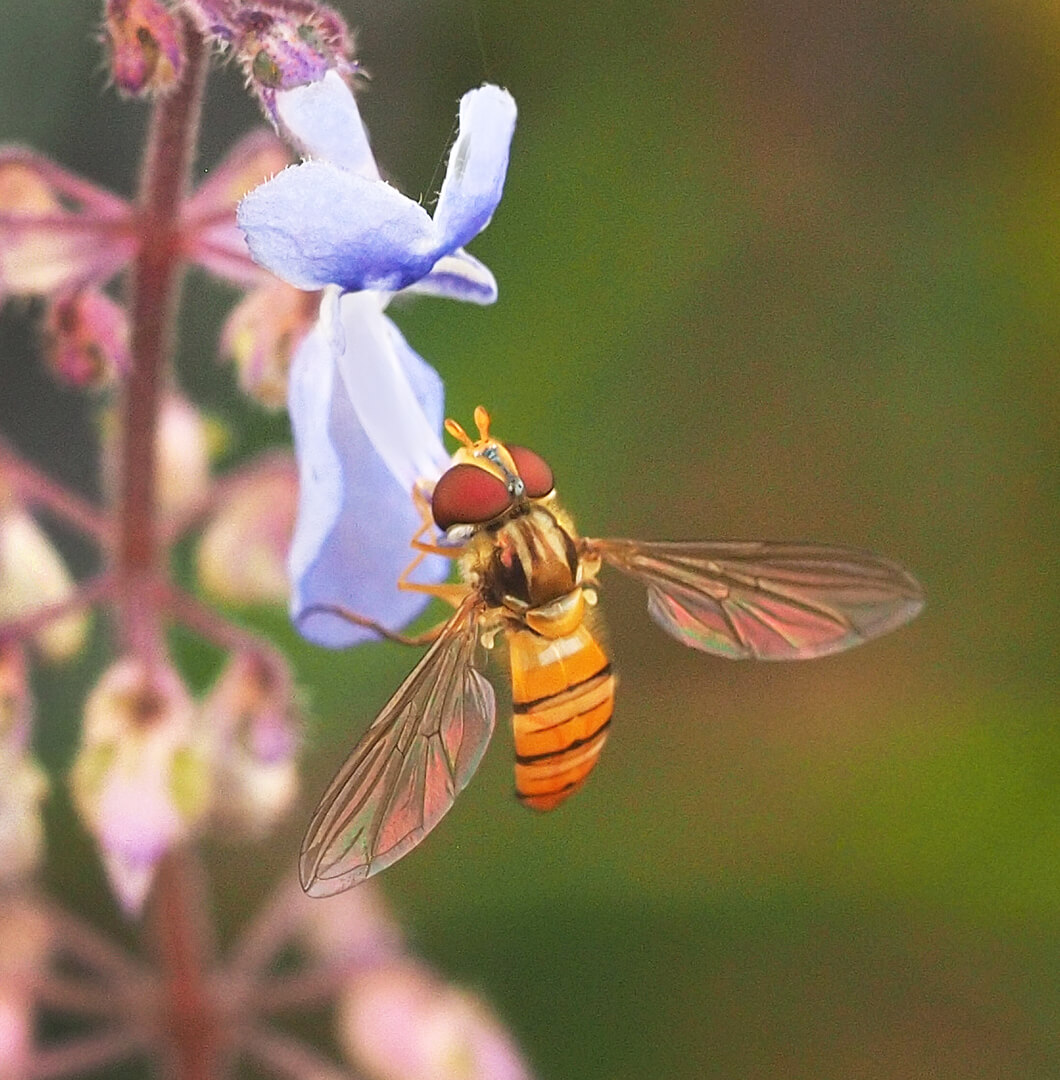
x=59 y=233
x=399 y=1022
x=141 y=778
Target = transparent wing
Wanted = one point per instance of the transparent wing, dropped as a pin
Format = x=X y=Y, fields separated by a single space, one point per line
x=767 y=601
x=408 y=768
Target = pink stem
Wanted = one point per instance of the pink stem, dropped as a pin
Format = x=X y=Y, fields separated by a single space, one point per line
x=86 y=1054
x=274 y=923
x=85 y=595
x=91 y=948
x=38 y=489
x=286 y=1057
x=206 y=622
x=189 y=1011
x=156 y=277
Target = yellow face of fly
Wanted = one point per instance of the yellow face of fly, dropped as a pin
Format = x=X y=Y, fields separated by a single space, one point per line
x=485 y=453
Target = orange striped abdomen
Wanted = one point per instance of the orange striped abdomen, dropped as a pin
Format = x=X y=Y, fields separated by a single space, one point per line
x=563 y=693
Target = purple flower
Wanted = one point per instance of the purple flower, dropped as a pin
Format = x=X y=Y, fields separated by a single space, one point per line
x=366 y=410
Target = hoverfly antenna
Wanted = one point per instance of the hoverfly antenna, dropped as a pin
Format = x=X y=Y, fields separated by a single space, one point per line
x=458 y=433
x=482 y=422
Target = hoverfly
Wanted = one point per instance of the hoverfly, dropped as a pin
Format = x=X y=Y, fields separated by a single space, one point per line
x=527 y=574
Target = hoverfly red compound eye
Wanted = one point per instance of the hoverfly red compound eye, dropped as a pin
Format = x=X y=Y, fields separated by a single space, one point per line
x=468 y=495
x=534 y=471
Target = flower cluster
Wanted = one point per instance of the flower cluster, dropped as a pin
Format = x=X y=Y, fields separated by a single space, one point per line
x=320 y=248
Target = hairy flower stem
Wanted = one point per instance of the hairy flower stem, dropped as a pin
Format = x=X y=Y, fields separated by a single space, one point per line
x=189 y=1015
x=156 y=278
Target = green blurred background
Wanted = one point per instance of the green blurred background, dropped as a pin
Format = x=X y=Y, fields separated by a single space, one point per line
x=766 y=270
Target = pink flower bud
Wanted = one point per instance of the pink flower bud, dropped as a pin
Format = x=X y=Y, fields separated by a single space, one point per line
x=399 y=1022
x=242 y=555
x=261 y=334
x=279 y=43
x=33 y=576
x=22 y=783
x=87 y=339
x=16 y=701
x=146 y=51
x=250 y=720
x=141 y=780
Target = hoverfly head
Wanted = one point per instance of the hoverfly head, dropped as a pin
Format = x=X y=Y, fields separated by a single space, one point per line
x=486 y=479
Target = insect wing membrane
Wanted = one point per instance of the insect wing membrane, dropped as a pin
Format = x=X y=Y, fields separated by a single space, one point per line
x=408 y=768
x=768 y=601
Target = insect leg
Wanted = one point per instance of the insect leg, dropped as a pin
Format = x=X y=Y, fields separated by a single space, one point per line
x=452 y=593
x=425 y=638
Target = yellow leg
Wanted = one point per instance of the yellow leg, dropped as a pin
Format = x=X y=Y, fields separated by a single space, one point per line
x=453 y=593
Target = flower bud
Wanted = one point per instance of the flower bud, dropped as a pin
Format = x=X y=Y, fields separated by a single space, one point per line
x=261 y=334
x=16 y=702
x=249 y=718
x=399 y=1022
x=242 y=556
x=141 y=778
x=22 y=783
x=34 y=576
x=279 y=43
x=23 y=787
x=24 y=944
x=184 y=440
x=146 y=53
x=184 y=445
x=86 y=339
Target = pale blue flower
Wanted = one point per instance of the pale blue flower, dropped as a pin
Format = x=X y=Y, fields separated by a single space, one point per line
x=365 y=409
x=366 y=430
x=333 y=221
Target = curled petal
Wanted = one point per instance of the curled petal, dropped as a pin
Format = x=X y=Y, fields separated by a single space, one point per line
x=377 y=367
x=478 y=163
x=355 y=519
x=323 y=121
x=458 y=277
x=316 y=224
x=242 y=556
